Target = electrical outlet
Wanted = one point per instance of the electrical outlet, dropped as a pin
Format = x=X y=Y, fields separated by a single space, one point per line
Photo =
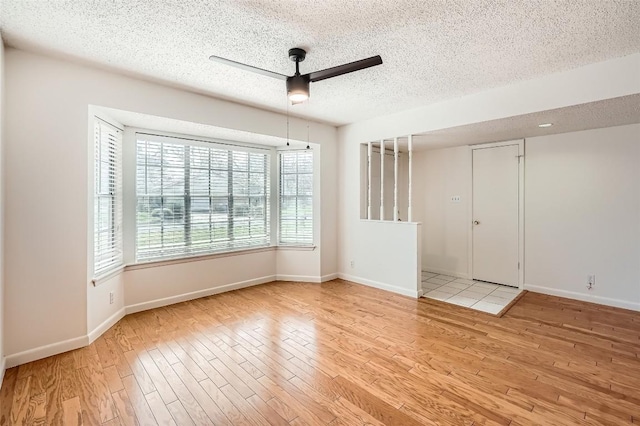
x=353 y=264
x=591 y=281
x=111 y=298
x=455 y=198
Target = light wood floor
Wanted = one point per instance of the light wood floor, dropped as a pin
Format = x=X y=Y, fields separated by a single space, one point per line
x=341 y=354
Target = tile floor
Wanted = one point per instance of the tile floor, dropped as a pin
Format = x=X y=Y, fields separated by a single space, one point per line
x=482 y=296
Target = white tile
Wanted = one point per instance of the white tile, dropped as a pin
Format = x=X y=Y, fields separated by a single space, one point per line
x=437 y=281
x=454 y=284
x=430 y=286
x=428 y=274
x=438 y=295
x=491 y=308
x=446 y=277
x=502 y=295
x=463 y=281
x=472 y=294
x=497 y=300
x=480 y=289
x=462 y=301
x=485 y=285
x=504 y=289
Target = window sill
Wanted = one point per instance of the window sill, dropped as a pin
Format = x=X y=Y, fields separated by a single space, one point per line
x=296 y=248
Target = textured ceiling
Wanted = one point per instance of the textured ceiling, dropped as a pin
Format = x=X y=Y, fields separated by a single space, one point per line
x=432 y=49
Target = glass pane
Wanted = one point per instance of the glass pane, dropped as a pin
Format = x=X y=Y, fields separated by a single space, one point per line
x=240 y=161
x=173 y=181
x=288 y=208
x=219 y=182
x=305 y=184
x=199 y=157
x=289 y=186
x=287 y=162
x=257 y=162
x=219 y=159
x=240 y=183
x=256 y=184
x=199 y=182
x=154 y=153
x=173 y=155
x=305 y=162
x=305 y=208
x=154 y=177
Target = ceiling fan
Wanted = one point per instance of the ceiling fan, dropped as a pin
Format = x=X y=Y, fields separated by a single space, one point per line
x=297 y=84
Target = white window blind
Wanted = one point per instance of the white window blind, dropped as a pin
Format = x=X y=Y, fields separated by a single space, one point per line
x=196 y=198
x=296 y=197
x=107 y=245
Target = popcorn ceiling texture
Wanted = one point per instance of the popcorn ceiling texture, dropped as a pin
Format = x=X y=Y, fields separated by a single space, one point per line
x=432 y=49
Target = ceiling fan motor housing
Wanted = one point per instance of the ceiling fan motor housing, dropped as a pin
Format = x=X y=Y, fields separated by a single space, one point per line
x=298 y=84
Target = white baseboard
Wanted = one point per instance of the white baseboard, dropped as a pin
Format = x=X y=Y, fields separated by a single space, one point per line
x=46 y=351
x=456 y=274
x=379 y=285
x=106 y=324
x=328 y=277
x=145 y=306
x=616 y=303
x=299 y=278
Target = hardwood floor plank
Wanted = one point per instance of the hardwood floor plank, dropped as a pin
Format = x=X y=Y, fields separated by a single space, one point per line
x=72 y=412
x=126 y=412
x=183 y=394
x=137 y=399
x=159 y=409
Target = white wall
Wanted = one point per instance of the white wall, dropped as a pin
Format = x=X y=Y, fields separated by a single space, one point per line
x=582 y=215
x=388 y=257
x=46 y=155
x=2 y=204
x=439 y=175
x=147 y=287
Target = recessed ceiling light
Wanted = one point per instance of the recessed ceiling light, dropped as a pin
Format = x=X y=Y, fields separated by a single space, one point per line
x=545 y=125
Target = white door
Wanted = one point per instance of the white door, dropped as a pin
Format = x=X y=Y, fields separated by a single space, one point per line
x=495 y=214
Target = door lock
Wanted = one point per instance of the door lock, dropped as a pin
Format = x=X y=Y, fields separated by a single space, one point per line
x=476 y=222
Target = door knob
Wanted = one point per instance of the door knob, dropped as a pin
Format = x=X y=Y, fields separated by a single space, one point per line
x=476 y=222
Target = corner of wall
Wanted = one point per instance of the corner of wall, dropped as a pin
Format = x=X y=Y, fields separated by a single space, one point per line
x=2 y=333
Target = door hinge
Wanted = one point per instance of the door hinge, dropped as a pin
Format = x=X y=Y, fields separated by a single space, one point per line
x=518 y=265
x=519 y=157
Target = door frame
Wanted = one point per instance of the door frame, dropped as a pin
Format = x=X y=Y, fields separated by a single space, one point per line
x=521 y=155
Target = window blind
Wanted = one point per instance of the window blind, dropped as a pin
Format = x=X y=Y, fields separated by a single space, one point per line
x=296 y=197
x=196 y=198
x=107 y=245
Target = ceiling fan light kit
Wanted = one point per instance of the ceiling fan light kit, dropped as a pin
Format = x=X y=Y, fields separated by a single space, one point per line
x=297 y=84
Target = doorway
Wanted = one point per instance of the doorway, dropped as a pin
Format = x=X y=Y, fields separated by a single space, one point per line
x=497 y=213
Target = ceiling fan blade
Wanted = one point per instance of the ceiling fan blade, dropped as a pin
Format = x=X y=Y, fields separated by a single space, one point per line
x=345 y=69
x=248 y=67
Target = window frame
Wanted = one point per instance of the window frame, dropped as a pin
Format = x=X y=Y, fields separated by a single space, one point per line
x=114 y=195
x=230 y=147
x=297 y=242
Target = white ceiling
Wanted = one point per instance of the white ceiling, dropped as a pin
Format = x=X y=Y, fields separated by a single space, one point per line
x=432 y=49
x=593 y=115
